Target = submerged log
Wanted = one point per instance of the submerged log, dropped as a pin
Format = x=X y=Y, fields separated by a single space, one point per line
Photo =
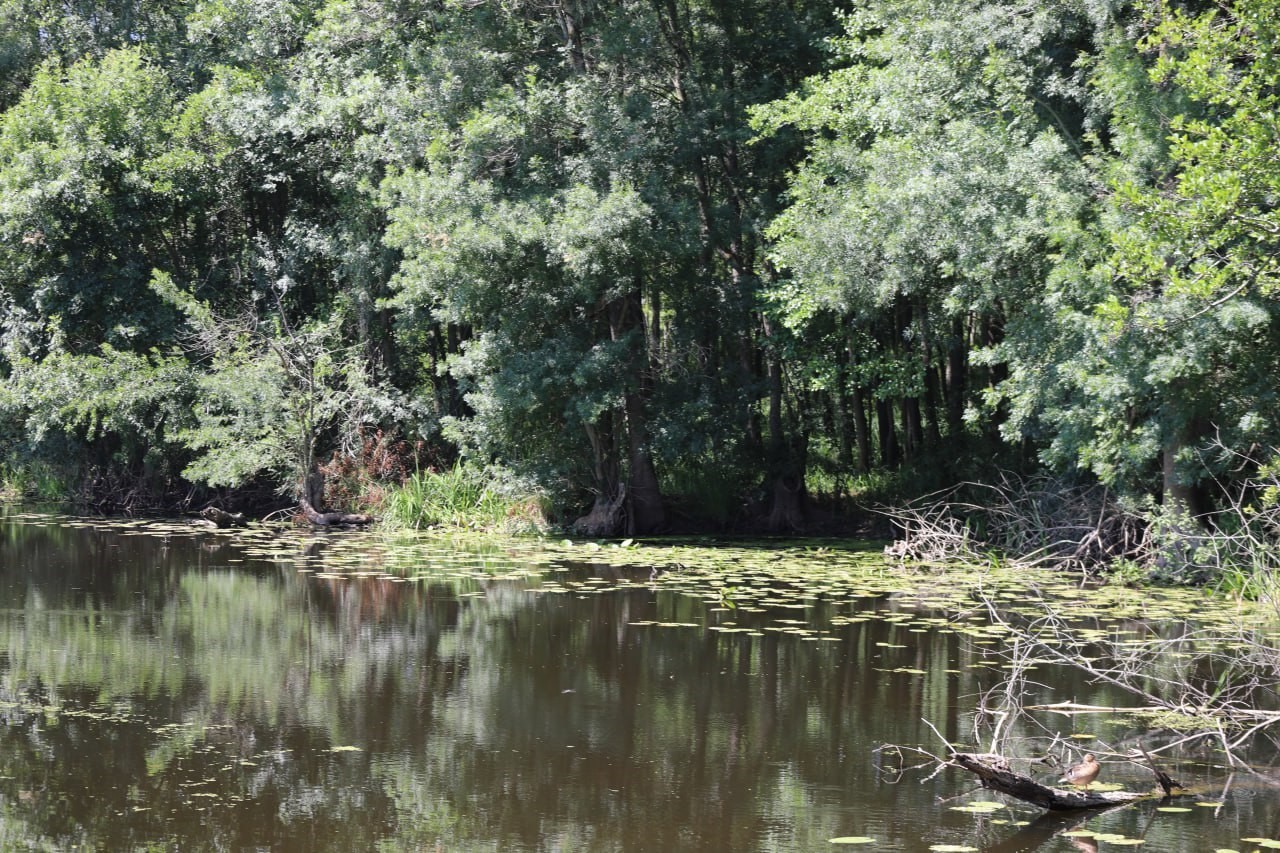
x=328 y=519
x=995 y=774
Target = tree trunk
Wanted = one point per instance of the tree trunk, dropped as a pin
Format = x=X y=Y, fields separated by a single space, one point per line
x=861 y=426
x=932 y=429
x=888 y=439
x=568 y=17
x=748 y=355
x=956 y=378
x=996 y=776
x=862 y=430
x=606 y=515
x=912 y=436
x=773 y=368
x=1182 y=529
x=313 y=496
x=328 y=519
x=1179 y=494
x=645 y=510
x=932 y=437
x=313 y=489
x=786 y=460
x=787 y=513
x=839 y=406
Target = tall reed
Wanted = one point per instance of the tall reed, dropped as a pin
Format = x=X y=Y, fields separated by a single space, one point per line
x=462 y=496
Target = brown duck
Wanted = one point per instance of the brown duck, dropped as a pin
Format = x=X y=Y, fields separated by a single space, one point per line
x=1083 y=773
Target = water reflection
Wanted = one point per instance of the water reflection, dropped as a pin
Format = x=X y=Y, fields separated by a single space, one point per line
x=178 y=691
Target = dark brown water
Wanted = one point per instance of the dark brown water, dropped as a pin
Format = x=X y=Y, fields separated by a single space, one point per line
x=168 y=691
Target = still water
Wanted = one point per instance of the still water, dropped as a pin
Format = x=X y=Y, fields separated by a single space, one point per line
x=163 y=687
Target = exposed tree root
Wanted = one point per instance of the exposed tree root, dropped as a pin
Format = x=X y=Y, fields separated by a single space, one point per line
x=331 y=519
x=606 y=517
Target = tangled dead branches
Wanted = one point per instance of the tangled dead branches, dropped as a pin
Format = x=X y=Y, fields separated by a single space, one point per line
x=1199 y=683
x=1036 y=521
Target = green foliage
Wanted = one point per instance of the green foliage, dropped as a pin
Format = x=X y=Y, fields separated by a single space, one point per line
x=32 y=31
x=108 y=392
x=80 y=189
x=632 y=248
x=942 y=166
x=1220 y=210
x=254 y=33
x=111 y=409
x=1160 y=303
x=270 y=394
x=463 y=496
x=32 y=479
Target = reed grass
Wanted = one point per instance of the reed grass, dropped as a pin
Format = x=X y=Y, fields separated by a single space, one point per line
x=461 y=496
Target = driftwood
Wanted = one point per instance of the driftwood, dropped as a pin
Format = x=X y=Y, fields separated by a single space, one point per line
x=995 y=774
x=329 y=519
x=220 y=518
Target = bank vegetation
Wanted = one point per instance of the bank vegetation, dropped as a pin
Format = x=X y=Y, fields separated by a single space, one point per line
x=655 y=265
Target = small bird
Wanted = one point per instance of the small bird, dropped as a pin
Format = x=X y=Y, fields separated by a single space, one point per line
x=1083 y=773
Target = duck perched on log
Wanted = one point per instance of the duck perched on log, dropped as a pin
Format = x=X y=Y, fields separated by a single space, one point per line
x=995 y=775
x=1083 y=773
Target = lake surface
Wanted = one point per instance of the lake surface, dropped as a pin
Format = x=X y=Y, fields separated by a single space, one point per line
x=163 y=687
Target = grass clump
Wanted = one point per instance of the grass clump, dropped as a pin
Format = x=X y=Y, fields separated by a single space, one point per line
x=464 y=496
x=32 y=480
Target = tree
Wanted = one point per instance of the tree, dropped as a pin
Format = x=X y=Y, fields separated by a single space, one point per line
x=587 y=213
x=943 y=156
x=67 y=31
x=89 y=203
x=272 y=395
x=1156 y=336
x=107 y=421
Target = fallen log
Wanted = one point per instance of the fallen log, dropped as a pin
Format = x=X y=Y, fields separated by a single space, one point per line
x=995 y=775
x=220 y=518
x=329 y=519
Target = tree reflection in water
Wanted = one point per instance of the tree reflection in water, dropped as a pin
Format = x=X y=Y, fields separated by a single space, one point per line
x=158 y=691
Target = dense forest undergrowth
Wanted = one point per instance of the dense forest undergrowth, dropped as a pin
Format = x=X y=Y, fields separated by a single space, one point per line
x=654 y=265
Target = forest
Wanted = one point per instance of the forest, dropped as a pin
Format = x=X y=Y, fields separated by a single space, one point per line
x=645 y=265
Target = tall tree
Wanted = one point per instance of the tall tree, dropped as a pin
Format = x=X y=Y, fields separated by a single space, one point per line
x=1154 y=343
x=89 y=204
x=943 y=155
x=592 y=219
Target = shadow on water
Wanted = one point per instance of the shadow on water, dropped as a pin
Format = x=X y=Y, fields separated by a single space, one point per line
x=162 y=687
